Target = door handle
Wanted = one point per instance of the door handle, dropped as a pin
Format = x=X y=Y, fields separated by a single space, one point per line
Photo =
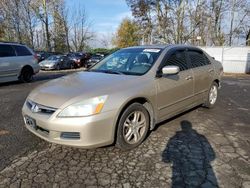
x=211 y=70
x=189 y=78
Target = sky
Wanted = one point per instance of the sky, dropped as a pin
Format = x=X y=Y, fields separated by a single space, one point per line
x=104 y=16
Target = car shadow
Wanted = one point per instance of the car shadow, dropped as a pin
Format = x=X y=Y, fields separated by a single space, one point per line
x=190 y=154
x=175 y=117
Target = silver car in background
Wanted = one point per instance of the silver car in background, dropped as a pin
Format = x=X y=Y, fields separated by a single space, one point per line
x=57 y=62
x=17 y=62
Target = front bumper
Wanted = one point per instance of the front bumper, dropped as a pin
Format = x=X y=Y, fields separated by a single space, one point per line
x=36 y=69
x=94 y=131
x=47 y=68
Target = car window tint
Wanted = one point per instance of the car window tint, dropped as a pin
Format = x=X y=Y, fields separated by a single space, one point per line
x=178 y=59
x=6 y=51
x=207 y=61
x=22 y=51
x=197 y=59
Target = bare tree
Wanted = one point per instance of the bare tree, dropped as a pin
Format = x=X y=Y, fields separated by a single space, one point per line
x=41 y=8
x=80 y=32
x=141 y=10
x=182 y=21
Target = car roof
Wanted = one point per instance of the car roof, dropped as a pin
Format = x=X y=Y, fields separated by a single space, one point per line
x=149 y=46
x=164 y=46
x=12 y=43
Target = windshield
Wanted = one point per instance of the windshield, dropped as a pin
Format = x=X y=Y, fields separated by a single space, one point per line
x=133 y=61
x=54 y=57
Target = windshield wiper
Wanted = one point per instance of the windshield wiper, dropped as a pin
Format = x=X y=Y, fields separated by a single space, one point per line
x=107 y=71
x=113 y=72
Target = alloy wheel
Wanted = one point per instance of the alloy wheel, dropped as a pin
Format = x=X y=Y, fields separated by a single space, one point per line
x=213 y=95
x=134 y=127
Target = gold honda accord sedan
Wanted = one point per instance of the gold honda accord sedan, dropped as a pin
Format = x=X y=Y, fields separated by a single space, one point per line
x=121 y=98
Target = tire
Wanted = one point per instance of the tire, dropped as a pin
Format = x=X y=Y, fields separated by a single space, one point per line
x=131 y=133
x=72 y=66
x=58 y=67
x=85 y=65
x=26 y=75
x=212 y=96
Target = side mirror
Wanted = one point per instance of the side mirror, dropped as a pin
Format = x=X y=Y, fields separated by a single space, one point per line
x=170 y=70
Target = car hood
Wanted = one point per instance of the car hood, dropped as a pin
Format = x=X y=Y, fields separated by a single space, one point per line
x=79 y=86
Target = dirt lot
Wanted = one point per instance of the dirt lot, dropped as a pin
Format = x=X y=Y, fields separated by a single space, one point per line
x=200 y=148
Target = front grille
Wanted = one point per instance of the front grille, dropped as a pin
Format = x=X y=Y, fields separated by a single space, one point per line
x=70 y=135
x=38 y=108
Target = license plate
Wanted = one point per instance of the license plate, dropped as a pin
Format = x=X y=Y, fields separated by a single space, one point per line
x=30 y=122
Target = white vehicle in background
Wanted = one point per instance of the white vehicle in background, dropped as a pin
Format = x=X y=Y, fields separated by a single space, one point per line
x=17 y=62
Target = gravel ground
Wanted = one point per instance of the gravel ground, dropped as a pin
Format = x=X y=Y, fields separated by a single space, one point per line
x=199 y=148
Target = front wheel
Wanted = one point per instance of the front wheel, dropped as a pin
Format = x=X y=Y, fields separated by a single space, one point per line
x=212 y=96
x=58 y=67
x=133 y=127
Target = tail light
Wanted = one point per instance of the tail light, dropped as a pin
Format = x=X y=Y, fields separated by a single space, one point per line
x=36 y=57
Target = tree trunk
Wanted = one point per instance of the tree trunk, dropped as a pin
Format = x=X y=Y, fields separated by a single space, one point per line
x=248 y=38
x=46 y=22
x=231 y=23
x=17 y=20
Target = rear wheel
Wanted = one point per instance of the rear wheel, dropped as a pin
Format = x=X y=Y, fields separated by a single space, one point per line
x=26 y=74
x=133 y=127
x=212 y=96
x=72 y=66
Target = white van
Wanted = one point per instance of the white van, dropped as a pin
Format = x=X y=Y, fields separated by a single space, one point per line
x=17 y=62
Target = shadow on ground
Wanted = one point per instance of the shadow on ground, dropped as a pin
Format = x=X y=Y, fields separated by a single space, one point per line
x=37 y=78
x=190 y=154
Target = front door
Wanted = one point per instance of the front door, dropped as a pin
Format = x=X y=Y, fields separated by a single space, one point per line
x=175 y=92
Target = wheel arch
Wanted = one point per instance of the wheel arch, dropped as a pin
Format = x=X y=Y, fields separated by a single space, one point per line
x=24 y=68
x=217 y=81
x=142 y=100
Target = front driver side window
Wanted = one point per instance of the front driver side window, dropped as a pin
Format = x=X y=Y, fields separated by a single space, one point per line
x=178 y=59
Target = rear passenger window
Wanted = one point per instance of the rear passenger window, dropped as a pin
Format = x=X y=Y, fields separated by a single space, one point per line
x=197 y=59
x=178 y=59
x=22 y=51
x=6 y=51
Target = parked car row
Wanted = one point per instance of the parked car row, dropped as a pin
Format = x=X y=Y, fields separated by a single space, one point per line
x=52 y=61
x=19 y=62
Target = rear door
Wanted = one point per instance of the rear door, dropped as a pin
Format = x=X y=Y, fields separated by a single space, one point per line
x=8 y=63
x=175 y=92
x=203 y=72
x=24 y=57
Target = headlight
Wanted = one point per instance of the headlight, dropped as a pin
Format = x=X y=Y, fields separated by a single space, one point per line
x=85 y=108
